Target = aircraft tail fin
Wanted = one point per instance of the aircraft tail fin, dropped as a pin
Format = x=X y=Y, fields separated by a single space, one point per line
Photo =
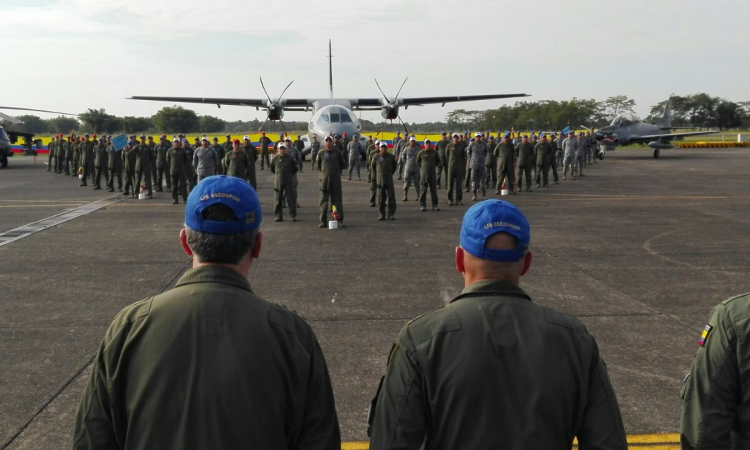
x=330 y=68
x=666 y=119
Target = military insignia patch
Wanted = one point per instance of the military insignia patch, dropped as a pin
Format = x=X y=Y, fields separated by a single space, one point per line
x=704 y=335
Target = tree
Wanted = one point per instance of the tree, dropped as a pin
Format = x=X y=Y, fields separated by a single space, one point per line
x=31 y=124
x=211 y=124
x=62 y=124
x=176 y=119
x=729 y=115
x=132 y=124
x=98 y=121
x=619 y=104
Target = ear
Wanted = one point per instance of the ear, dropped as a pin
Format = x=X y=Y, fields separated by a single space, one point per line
x=460 y=259
x=257 y=245
x=527 y=263
x=183 y=241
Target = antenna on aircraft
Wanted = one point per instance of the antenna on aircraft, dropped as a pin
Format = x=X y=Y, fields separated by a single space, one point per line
x=330 y=68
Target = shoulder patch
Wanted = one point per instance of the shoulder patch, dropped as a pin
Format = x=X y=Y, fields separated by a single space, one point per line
x=705 y=334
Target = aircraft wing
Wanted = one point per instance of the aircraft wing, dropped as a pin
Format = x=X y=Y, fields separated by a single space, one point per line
x=375 y=103
x=669 y=136
x=257 y=102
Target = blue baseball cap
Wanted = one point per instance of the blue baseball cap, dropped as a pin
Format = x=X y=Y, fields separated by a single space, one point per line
x=233 y=192
x=489 y=217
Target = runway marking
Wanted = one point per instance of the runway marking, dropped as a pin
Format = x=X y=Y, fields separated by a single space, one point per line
x=647 y=247
x=41 y=206
x=40 y=225
x=667 y=441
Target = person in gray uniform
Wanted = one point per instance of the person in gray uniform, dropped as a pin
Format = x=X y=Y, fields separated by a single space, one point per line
x=411 y=169
x=569 y=145
x=114 y=166
x=525 y=163
x=314 y=149
x=205 y=160
x=559 y=149
x=162 y=169
x=296 y=154
x=398 y=148
x=581 y=154
x=354 y=150
x=477 y=153
x=441 y=146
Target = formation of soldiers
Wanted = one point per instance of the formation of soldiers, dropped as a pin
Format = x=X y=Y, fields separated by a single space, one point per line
x=457 y=162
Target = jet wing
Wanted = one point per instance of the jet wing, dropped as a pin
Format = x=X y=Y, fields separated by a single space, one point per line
x=257 y=102
x=366 y=104
x=669 y=136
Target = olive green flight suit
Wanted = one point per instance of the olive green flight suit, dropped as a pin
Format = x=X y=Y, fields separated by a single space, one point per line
x=162 y=169
x=265 y=141
x=76 y=157
x=190 y=175
x=69 y=158
x=382 y=168
x=716 y=394
x=505 y=165
x=51 y=154
x=284 y=168
x=176 y=159
x=114 y=165
x=331 y=164
x=219 y=149
x=372 y=151
x=541 y=151
x=128 y=163
x=525 y=163
x=144 y=156
x=490 y=163
x=101 y=164
x=208 y=365
x=456 y=161
x=441 y=146
x=428 y=161
x=252 y=154
x=235 y=164
x=87 y=160
x=492 y=369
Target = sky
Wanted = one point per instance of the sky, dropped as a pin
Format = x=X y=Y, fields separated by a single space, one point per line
x=69 y=55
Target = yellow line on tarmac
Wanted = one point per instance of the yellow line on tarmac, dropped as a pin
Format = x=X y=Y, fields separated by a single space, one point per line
x=667 y=441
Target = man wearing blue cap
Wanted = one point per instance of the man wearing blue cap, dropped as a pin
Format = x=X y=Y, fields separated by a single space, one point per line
x=209 y=364
x=492 y=369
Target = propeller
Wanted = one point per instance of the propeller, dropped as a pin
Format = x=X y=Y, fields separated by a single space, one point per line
x=390 y=108
x=275 y=108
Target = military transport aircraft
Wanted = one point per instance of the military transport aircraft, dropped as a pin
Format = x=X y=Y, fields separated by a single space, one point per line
x=330 y=115
x=629 y=129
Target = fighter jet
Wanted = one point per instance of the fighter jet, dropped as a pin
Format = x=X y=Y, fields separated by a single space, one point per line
x=629 y=129
x=330 y=116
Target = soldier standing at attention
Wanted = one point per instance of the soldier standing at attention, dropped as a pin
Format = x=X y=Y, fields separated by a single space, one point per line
x=114 y=165
x=51 y=152
x=490 y=163
x=219 y=150
x=505 y=164
x=296 y=155
x=569 y=149
x=345 y=142
x=552 y=157
x=189 y=171
x=395 y=140
x=227 y=145
x=210 y=364
x=265 y=141
x=128 y=159
x=477 y=158
x=354 y=150
x=236 y=162
x=440 y=146
x=525 y=162
x=428 y=161
x=69 y=155
x=559 y=154
x=100 y=163
x=314 y=148
x=397 y=150
x=144 y=157
x=87 y=158
x=371 y=152
x=493 y=352
x=580 y=154
x=205 y=160
x=160 y=151
x=331 y=164
x=382 y=167
x=60 y=161
x=152 y=145
x=715 y=394
x=252 y=156
x=411 y=169
x=467 y=175
x=541 y=151
x=299 y=144
x=456 y=157
x=175 y=159
x=284 y=168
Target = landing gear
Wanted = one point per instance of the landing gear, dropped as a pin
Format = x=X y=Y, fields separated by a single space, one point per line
x=656 y=154
x=4 y=161
x=600 y=154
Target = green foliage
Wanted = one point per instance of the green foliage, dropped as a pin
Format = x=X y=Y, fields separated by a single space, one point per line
x=176 y=119
x=211 y=124
x=619 y=104
x=62 y=124
x=31 y=124
x=702 y=110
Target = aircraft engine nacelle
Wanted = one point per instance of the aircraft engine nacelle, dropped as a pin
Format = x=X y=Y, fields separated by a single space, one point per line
x=389 y=112
x=275 y=112
x=660 y=145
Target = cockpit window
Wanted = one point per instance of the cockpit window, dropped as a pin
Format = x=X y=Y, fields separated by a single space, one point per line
x=3 y=136
x=345 y=118
x=626 y=119
x=335 y=118
x=324 y=118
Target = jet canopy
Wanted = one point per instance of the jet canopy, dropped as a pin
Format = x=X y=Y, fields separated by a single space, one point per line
x=332 y=114
x=623 y=120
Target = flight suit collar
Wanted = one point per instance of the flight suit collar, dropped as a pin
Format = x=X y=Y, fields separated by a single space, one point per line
x=486 y=288
x=214 y=274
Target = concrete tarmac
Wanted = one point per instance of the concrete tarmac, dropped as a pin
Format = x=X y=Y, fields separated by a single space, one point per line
x=640 y=250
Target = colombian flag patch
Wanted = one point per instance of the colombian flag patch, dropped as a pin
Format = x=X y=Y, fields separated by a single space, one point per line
x=704 y=335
